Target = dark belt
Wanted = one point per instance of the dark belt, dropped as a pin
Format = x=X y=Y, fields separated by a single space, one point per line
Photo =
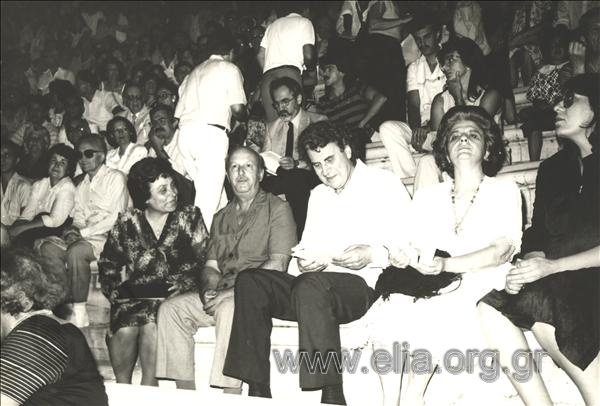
x=220 y=127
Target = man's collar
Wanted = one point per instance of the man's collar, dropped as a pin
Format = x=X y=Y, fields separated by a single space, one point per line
x=98 y=174
x=215 y=56
x=296 y=120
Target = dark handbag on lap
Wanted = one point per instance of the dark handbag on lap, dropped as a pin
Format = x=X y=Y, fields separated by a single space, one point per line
x=411 y=282
x=157 y=289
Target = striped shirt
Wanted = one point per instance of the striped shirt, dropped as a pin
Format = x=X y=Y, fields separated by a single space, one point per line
x=46 y=363
x=349 y=108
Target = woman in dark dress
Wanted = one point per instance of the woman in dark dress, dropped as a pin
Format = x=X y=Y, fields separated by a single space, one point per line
x=163 y=248
x=30 y=287
x=555 y=289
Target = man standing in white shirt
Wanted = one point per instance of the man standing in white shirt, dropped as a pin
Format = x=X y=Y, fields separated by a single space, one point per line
x=352 y=217
x=287 y=48
x=208 y=98
x=99 y=198
x=424 y=80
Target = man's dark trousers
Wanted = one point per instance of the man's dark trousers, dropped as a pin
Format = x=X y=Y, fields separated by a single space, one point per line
x=319 y=301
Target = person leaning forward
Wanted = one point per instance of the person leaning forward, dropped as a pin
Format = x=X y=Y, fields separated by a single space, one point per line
x=254 y=231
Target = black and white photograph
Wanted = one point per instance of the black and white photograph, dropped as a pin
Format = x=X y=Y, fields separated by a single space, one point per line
x=363 y=203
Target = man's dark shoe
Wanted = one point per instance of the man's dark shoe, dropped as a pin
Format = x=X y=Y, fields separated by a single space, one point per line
x=260 y=390
x=333 y=394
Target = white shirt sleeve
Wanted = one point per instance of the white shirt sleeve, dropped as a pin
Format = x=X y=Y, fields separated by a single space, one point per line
x=306 y=32
x=411 y=77
x=61 y=207
x=235 y=91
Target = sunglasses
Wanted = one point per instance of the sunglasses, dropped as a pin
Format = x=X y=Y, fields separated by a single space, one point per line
x=568 y=99
x=88 y=153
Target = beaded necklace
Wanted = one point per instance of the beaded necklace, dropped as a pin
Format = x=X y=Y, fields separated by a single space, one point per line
x=458 y=222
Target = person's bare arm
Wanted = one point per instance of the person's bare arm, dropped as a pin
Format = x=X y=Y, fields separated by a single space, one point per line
x=437 y=112
x=491 y=101
x=209 y=277
x=495 y=254
x=376 y=102
x=239 y=112
x=260 y=57
x=310 y=58
x=375 y=20
x=414 y=109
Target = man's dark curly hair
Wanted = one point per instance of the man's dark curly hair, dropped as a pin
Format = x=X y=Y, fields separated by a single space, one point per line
x=26 y=277
x=142 y=174
x=492 y=139
x=318 y=135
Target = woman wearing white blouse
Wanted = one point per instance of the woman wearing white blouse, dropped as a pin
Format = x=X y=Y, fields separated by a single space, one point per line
x=121 y=134
x=51 y=201
x=476 y=219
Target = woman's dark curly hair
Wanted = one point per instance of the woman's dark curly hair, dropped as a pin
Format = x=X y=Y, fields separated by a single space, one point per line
x=69 y=154
x=110 y=128
x=494 y=151
x=471 y=56
x=27 y=277
x=318 y=135
x=142 y=174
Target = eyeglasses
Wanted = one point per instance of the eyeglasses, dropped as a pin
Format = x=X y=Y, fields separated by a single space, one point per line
x=283 y=103
x=88 y=153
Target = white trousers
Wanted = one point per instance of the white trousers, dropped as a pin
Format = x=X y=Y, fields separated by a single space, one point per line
x=396 y=138
x=203 y=148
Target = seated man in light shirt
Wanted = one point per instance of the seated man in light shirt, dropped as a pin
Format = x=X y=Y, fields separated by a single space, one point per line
x=164 y=143
x=99 y=198
x=16 y=189
x=424 y=80
x=352 y=216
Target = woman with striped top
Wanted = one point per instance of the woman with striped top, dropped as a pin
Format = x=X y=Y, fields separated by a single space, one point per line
x=43 y=359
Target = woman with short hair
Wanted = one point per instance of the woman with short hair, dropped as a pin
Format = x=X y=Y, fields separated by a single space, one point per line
x=51 y=200
x=555 y=290
x=163 y=248
x=121 y=135
x=465 y=230
x=45 y=360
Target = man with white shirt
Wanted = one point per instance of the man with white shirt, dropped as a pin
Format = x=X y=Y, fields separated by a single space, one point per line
x=209 y=97
x=286 y=49
x=424 y=80
x=294 y=177
x=352 y=217
x=16 y=189
x=164 y=143
x=99 y=198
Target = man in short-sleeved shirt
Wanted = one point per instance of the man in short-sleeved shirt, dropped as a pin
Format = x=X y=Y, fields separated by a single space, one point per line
x=286 y=50
x=255 y=230
x=208 y=98
x=424 y=80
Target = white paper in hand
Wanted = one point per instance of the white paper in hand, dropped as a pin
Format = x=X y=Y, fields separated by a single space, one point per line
x=271 y=161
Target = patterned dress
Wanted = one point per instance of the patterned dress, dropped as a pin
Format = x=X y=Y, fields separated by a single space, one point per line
x=177 y=257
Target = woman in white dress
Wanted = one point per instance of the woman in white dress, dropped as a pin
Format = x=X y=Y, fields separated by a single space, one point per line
x=476 y=219
x=121 y=134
